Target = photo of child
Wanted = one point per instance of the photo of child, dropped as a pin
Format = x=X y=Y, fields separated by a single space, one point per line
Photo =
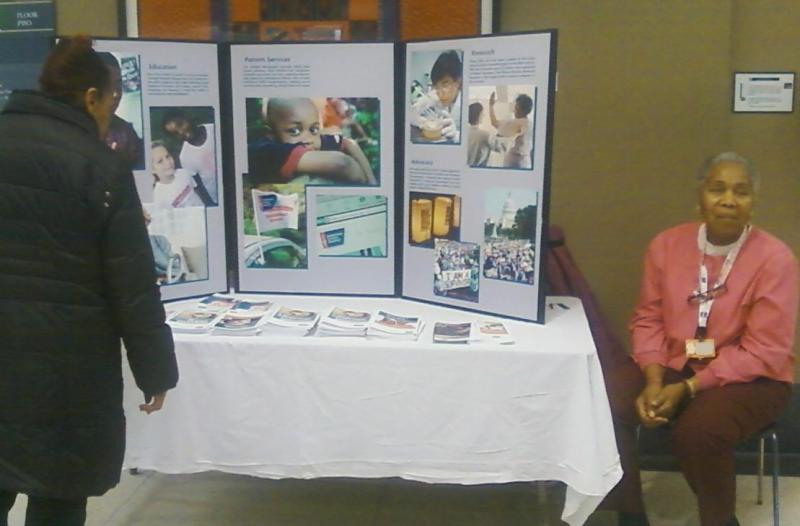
x=172 y=187
x=125 y=130
x=501 y=126
x=435 y=79
x=432 y=217
x=188 y=134
x=313 y=140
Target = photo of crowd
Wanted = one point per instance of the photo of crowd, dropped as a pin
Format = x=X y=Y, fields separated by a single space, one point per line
x=434 y=96
x=183 y=157
x=456 y=270
x=319 y=140
x=501 y=126
x=509 y=251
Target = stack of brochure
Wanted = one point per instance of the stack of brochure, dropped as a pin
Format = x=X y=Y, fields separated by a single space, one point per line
x=391 y=326
x=290 y=322
x=444 y=332
x=217 y=303
x=252 y=307
x=493 y=331
x=195 y=321
x=242 y=321
x=344 y=322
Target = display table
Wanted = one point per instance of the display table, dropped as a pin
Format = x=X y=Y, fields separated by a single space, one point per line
x=355 y=407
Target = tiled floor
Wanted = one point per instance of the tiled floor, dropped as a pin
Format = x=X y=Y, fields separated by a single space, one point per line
x=206 y=499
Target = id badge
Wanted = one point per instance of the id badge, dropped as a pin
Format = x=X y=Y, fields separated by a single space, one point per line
x=700 y=349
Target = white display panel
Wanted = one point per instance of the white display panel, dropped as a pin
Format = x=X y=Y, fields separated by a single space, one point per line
x=314 y=129
x=167 y=125
x=476 y=171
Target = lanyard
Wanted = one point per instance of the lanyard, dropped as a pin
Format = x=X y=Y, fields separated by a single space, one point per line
x=706 y=299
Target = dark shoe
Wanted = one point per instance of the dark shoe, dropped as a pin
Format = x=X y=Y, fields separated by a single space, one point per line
x=733 y=522
x=633 y=519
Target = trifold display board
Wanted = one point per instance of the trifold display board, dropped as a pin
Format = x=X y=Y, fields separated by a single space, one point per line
x=417 y=169
x=167 y=125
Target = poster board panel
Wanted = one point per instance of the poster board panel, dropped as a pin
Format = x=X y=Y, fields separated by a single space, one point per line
x=314 y=130
x=476 y=171
x=166 y=124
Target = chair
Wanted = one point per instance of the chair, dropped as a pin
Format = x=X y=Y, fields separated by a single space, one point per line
x=175 y=260
x=659 y=435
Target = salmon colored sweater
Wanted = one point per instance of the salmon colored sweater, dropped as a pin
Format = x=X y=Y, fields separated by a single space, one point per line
x=752 y=322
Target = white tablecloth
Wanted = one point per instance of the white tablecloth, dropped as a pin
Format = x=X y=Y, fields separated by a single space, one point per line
x=330 y=407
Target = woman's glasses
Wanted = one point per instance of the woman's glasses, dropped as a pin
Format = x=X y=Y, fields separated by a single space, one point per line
x=702 y=297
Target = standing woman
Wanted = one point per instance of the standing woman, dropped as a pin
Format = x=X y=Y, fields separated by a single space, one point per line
x=76 y=276
x=713 y=337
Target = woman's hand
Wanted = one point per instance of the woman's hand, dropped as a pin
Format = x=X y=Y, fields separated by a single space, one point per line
x=648 y=404
x=669 y=399
x=153 y=404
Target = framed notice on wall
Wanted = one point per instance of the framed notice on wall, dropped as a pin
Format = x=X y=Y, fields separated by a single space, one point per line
x=763 y=92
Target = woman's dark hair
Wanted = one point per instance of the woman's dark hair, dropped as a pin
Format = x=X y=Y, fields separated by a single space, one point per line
x=109 y=59
x=71 y=68
x=448 y=63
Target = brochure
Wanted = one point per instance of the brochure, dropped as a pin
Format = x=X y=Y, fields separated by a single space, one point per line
x=444 y=332
x=218 y=303
x=195 y=321
x=393 y=326
x=344 y=322
x=493 y=331
x=289 y=321
x=232 y=324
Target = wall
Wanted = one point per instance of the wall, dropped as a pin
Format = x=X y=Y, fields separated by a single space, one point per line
x=90 y=17
x=182 y=20
x=644 y=94
x=421 y=19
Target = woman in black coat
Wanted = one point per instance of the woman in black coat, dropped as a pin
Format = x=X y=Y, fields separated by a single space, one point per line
x=76 y=276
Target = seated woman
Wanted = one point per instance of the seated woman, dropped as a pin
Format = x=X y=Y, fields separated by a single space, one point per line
x=712 y=337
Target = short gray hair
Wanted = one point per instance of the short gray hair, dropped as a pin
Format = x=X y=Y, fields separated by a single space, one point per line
x=728 y=157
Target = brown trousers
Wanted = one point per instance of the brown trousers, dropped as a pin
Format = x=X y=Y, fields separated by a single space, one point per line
x=703 y=436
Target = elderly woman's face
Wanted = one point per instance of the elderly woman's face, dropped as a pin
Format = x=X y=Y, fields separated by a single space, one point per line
x=726 y=202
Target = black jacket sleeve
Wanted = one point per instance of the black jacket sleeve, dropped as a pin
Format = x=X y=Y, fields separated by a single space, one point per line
x=130 y=284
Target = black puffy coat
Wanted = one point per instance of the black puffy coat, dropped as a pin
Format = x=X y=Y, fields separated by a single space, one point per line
x=76 y=275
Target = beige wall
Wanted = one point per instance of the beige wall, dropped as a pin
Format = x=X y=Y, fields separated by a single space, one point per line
x=91 y=17
x=644 y=95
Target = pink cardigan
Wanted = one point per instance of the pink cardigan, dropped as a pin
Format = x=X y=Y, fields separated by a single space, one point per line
x=753 y=323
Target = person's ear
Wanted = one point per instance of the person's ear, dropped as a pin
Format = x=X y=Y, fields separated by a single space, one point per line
x=91 y=98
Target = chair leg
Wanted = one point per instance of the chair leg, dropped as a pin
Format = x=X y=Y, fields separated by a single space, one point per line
x=760 y=479
x=776 y=505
